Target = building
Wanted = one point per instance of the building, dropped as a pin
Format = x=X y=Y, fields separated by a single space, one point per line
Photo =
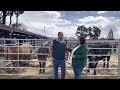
x=8 y=32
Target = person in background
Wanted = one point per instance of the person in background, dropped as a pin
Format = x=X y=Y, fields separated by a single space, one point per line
x=78 y=57
x=57 y=54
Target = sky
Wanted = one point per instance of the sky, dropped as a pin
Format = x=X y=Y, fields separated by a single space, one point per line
x=68 y=21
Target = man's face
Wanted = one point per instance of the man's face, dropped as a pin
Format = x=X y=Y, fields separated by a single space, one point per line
x=61 y=36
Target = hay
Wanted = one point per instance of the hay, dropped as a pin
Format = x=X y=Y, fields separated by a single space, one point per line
x=69 y=73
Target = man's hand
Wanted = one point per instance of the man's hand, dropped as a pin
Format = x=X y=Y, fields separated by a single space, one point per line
x=68 y=47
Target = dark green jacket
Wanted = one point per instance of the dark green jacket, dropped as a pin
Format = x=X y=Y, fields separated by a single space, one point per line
x=80 y=56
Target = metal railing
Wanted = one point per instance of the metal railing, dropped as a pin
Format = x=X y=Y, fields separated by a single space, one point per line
x=36 y=43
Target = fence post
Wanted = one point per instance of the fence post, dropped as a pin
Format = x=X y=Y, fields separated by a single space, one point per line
x=18 y=57
x=119 y=59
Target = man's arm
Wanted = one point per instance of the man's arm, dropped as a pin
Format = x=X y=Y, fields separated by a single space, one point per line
x=69 y=49
x=67 y=55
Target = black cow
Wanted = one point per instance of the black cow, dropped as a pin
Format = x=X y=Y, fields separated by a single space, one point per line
x=99 y=52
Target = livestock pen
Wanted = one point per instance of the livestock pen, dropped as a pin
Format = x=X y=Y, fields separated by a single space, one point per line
x=31 y=69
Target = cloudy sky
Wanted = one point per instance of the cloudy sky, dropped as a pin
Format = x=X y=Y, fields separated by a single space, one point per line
x=68 y=21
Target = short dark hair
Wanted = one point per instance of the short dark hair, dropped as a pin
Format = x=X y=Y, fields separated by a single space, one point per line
x=59 y=33
x=82 y=40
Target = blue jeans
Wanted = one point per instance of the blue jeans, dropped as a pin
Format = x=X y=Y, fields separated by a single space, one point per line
x=56 y=64
x=77 y=72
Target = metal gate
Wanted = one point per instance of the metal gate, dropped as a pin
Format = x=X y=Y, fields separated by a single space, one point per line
x=34 y=68
x=103 y=73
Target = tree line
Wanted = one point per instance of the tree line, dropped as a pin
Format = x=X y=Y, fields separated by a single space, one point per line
x=92 y=32
x=5 y=14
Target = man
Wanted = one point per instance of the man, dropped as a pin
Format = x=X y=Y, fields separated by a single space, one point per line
x=57 y=54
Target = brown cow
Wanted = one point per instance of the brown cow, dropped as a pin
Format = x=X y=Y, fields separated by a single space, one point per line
x=24 y=48
x=43 y=50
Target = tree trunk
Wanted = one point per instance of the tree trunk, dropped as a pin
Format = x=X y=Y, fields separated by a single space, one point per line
x=16 y=21
x=10 y=20
x=4 y=17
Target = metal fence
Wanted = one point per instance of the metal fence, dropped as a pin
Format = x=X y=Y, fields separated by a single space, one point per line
x=37 y=43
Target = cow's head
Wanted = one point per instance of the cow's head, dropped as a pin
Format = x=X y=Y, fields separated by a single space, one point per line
x=47 y=43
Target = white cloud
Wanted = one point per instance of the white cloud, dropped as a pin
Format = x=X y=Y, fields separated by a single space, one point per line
x=35 y=22
x=104 y=23
x=101 y=12
x=52 y=20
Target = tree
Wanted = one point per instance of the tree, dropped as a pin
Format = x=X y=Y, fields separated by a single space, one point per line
x=20 y=26
x=0 y=17
x=89 y=29
x=17 y=13
x=96 y=32
x=110 y=35
x=81 y=31
x=91 y=32
x=11 y=14
x=3 y=16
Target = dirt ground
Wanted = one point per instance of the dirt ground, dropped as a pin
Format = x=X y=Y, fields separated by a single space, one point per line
x=69 y=73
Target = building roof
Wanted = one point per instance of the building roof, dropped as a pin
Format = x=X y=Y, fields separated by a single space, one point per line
x=6 y=27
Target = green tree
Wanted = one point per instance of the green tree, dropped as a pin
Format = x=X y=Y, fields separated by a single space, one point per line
x=20 y=26
x=18 y=13
x=91 y=32
x=89 y=29
x=96 y=32
x=11 y=14
x=110 y=35
x=81 y=31
x=3 y=16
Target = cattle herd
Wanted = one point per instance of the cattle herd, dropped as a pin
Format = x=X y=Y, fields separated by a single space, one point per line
x=24 y=52
x=27 y=48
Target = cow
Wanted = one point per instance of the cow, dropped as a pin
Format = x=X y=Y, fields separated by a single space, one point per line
x=99 y=52
x=24 y=48
x=1 y=48
x=43 y=50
